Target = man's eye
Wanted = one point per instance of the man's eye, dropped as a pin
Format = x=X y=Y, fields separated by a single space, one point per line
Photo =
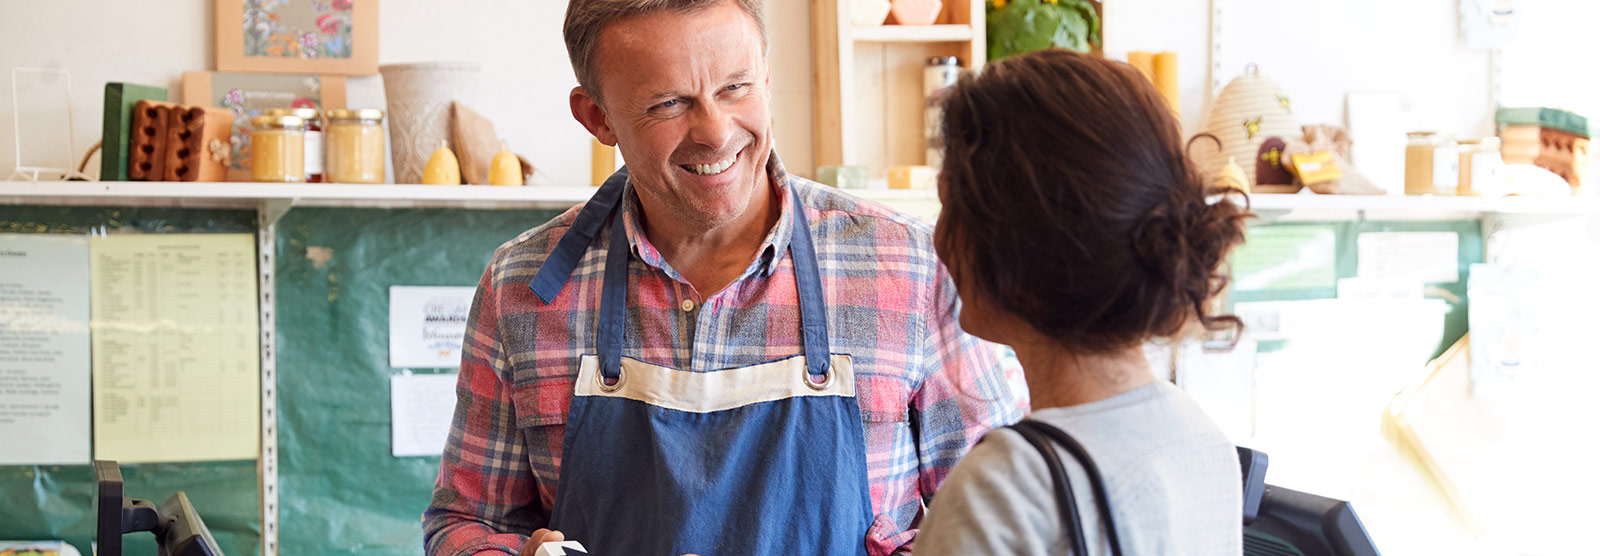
x=668 y=104
x=736 y=87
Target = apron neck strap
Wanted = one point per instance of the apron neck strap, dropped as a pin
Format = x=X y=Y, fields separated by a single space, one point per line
x=557 y=268
x=613 y=300
x=807 y=278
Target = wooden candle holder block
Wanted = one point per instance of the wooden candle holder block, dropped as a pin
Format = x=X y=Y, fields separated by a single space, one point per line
x=192 y=131
x=1562 y=152
x=147 y=140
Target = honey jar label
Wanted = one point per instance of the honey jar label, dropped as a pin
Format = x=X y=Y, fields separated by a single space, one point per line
x=1446 y=168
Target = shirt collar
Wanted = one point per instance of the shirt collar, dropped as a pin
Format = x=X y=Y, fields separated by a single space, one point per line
x=772 y=248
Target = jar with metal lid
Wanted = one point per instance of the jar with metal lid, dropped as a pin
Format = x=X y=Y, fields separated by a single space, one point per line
x=278 y=149
x=1430 y=164
x=313 y=129
x=355 y=145
x=1480 y=165
x=939 y=74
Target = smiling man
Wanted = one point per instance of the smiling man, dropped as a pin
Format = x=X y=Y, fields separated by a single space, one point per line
x=710 y=356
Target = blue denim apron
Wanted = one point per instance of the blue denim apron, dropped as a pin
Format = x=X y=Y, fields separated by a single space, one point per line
x=767 y=459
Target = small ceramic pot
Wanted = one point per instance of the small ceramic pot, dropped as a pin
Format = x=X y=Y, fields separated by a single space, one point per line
x=916 y=12
x=868 y=13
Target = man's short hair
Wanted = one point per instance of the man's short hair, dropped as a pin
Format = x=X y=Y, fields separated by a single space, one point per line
x=587 y=18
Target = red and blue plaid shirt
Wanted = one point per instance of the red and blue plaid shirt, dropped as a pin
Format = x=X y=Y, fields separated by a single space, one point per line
x=927 y=390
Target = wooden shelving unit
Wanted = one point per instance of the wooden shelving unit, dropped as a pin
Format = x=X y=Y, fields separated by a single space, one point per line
x=868 y=81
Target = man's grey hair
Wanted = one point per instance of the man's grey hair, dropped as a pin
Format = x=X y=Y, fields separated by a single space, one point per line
x=587 y=18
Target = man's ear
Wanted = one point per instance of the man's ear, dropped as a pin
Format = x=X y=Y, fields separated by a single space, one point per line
x=587 y=111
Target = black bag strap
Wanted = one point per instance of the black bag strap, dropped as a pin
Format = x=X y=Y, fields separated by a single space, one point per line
x=1042 y=436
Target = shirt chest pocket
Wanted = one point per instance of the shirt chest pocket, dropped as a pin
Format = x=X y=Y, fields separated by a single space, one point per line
x=883 y=399
x=542 y=402
x=541 y=418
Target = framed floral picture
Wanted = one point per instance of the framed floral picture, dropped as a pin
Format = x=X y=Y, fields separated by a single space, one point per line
x=248 y=94
x=298 y=36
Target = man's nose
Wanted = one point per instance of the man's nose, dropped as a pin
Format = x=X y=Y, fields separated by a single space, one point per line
x=712 y=127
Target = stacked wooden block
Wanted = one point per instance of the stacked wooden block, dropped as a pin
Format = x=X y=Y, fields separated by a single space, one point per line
x=1556 y=140
x=173 y=142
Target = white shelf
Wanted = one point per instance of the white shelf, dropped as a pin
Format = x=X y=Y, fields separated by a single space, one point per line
x=254 y=195
x=1279 y=207
x=890 y=195
x=923 y=203
x=912 y=33
x=1392 y=207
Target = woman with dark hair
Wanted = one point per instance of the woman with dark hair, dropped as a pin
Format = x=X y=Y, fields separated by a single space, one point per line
x=1076 y=229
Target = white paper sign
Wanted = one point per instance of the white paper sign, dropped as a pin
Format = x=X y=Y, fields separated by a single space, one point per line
x=175 y=347
x=420 y=410
x=44 y=349
x=42 y=548
x=1379 y=288
x=426 y=325
x=1426 y=257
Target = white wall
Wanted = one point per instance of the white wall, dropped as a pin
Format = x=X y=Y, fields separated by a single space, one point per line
x=1316 y=50
x=1551 y=62
x=523 y=89
x=1319 y=51
x=1182 y=26
x=94 y=42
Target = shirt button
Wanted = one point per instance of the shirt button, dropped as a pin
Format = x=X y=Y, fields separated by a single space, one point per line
x=688 y=305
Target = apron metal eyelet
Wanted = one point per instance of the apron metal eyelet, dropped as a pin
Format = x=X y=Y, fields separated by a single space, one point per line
x=827 y=380
x=621 y=377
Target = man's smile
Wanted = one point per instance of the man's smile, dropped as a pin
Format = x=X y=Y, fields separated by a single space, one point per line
x=712 y=168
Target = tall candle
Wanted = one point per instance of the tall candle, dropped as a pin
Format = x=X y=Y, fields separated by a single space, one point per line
x=1165 y=76
x=603 y=162
x=1144 y=62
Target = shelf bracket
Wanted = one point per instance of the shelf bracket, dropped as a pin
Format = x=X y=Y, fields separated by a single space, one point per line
x=266 y=256
x=273 y=209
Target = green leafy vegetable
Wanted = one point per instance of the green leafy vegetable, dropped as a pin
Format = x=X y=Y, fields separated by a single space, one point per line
x=1019 y=26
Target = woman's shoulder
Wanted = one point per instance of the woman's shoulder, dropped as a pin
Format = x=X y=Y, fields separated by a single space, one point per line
x=992 y=503
x=1002 y=464
x=1154 y=440
x=1138 y=424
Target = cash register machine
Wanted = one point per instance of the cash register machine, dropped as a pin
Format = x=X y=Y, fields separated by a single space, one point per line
x=177 y=527
x=1283 y=522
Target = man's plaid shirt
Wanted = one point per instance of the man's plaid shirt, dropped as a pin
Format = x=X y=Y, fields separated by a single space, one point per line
x=927 y=390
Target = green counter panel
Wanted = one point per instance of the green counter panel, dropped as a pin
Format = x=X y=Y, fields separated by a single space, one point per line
x=342 y=491
x=1469 y=252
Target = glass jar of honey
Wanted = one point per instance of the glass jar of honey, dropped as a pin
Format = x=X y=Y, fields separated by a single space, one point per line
x=278 y=149
x=313 y=129
x=355 y=145
x=1479 y=166
x=1430 y=164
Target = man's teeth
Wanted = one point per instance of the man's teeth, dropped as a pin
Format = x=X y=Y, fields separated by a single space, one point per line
x=710 y=169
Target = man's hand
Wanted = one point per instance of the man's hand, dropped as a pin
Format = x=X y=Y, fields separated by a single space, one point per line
x=539 y=537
